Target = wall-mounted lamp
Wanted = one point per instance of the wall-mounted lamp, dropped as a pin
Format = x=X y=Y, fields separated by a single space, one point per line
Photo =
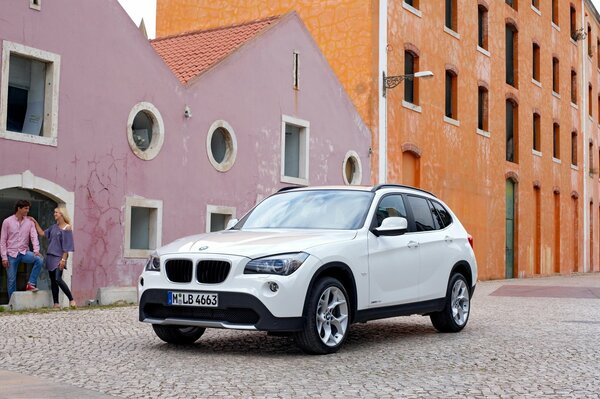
x=187 y=112
x=389 y=82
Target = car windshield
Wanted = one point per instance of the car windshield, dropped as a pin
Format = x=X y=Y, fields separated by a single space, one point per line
x=318 y=209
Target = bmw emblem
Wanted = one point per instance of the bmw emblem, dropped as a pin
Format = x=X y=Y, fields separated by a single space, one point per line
x=202 y=248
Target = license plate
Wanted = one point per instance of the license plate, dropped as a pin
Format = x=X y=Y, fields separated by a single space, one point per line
x=193 y=299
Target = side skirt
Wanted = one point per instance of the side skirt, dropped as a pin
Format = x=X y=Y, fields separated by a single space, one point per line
x=434 y=305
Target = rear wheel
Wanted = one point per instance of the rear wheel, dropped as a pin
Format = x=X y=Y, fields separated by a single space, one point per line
x=327 y=318
x=180 y=335
x=455 y=314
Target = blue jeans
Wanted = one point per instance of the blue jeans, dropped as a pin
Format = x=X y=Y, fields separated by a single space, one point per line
x=13 y=264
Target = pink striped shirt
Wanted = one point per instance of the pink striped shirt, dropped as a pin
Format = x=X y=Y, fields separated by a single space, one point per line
x=15 y=236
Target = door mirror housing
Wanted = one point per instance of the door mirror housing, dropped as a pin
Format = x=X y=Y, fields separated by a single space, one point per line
x=231 y=223
x=392 y=226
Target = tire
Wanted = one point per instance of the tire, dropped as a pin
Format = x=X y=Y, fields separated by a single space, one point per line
x=180 y=335
x=455 y=315
x=327 y=316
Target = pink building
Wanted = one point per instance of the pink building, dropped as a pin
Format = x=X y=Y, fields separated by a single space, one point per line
x=144 y=150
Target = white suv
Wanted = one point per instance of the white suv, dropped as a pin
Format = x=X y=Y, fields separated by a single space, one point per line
x=310 y=262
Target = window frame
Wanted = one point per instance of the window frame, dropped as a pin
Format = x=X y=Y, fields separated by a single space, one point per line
x=357 y=178
x=231 y=143
x=51 y=93
x=158 y=131
x=221 y=210
x=304 y=150
x=155 y=233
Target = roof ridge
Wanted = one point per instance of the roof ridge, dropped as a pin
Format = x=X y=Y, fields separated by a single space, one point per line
x=217 y=28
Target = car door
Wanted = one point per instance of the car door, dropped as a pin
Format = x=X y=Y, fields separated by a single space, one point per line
x=393 y=260
x=433 y=244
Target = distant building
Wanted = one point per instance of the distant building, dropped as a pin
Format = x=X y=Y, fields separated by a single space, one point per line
x=507 y=131
x=144 y=151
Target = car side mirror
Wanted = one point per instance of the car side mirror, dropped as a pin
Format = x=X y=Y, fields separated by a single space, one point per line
x=391 y=226
x=231 y=223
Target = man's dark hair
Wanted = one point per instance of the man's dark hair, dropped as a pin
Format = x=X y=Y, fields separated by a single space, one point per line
x=21 y=204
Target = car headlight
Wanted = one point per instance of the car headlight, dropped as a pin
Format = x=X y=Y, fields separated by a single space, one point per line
x=283 y=264
x=153 y=264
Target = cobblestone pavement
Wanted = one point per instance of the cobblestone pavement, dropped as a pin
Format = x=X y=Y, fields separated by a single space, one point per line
x=513 y=347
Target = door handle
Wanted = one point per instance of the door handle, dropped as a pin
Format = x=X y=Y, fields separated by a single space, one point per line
x=413 y=244
x=448 y=239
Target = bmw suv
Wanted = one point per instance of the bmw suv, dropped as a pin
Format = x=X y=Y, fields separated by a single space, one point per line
x=312 y=261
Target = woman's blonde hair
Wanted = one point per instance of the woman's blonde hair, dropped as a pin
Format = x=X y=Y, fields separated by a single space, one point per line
x=62 y=209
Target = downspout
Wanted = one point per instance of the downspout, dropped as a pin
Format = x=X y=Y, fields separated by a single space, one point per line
x=383 y=22
x=583 y=111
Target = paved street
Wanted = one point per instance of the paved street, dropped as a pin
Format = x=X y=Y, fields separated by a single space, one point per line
x=526 y=338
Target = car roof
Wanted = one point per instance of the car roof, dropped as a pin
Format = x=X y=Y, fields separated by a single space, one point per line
x=387 y=187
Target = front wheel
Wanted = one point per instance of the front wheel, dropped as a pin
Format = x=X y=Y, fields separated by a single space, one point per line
x=455 y=314
x=180 y=335
x=327 y=318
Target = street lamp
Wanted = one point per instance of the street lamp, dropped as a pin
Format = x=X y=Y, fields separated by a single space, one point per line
x=389 y=82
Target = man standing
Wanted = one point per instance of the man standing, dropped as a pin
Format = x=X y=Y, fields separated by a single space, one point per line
x=16 y=232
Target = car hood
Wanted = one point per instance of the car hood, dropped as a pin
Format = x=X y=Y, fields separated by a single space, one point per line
x=256 y=243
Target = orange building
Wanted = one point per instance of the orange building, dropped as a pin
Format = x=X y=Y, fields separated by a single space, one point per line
x=506 y=131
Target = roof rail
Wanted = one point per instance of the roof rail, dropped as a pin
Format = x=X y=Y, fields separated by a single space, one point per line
x=381 y=186
x=282 y=189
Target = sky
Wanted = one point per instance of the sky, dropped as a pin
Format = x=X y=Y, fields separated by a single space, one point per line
x=138 y=9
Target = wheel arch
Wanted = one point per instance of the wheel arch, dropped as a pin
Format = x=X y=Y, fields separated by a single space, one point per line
x=341 y=272
x=463 y=268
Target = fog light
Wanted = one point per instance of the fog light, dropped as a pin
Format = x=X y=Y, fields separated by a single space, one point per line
x=273 y=286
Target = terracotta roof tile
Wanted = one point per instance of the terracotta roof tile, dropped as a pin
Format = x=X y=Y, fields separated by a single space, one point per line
x=189 y=54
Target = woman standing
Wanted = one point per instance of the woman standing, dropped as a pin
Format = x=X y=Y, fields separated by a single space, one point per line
x=60 y=243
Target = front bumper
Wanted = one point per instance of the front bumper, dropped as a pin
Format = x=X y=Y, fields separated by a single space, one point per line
x=235 y=311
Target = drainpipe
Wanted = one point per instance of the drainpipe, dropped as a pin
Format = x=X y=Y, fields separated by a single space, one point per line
x=383 y=22
x=585 y=139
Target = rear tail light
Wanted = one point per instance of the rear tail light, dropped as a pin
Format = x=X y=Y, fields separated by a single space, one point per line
x=470 y=238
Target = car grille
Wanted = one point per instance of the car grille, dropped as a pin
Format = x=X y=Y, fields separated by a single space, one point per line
x=179 y=270
x=212 y=271
x=233 y=315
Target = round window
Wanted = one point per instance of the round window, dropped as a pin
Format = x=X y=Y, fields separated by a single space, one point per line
x=221 y=146
x=145 y=131
x=352 y=170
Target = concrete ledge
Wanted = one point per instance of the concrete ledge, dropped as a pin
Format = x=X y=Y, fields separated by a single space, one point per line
x=21 y=300
x=116 y=295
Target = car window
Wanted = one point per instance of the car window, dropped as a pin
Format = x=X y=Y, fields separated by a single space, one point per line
x=318 y=209
x=444 y=214
x=391 y=205
x=437 y=219
x=421 y=213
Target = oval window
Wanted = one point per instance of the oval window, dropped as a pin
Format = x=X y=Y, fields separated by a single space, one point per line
x=145 y=131
x=221 y=146
x=352 y=169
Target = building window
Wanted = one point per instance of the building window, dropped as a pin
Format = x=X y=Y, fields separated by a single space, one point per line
x=451 y=109
x=511 y=55
x=598 y=52
x=511 y=130
x=555 y=75
x=598 y=104
x=217 y=217
x=536 y=61
x=143 y=226
x=411 y=86
x=574 y=148
x=590 y=112
x=35 y=4
x=296 y=76
x=413 y=3
x=589 y=41
x=591 y=159
x=573 y=14
x=536 y=3
x=556 y=140
x=30 y=81
x=294 y=150
x=536 y=132
x=482 y=109
x=221 y=146
x=145 y=131
x=573 y=87
x=555 y=12
x=451 y=21
x=352 y=169
x=482 y=27
x=512 y=3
